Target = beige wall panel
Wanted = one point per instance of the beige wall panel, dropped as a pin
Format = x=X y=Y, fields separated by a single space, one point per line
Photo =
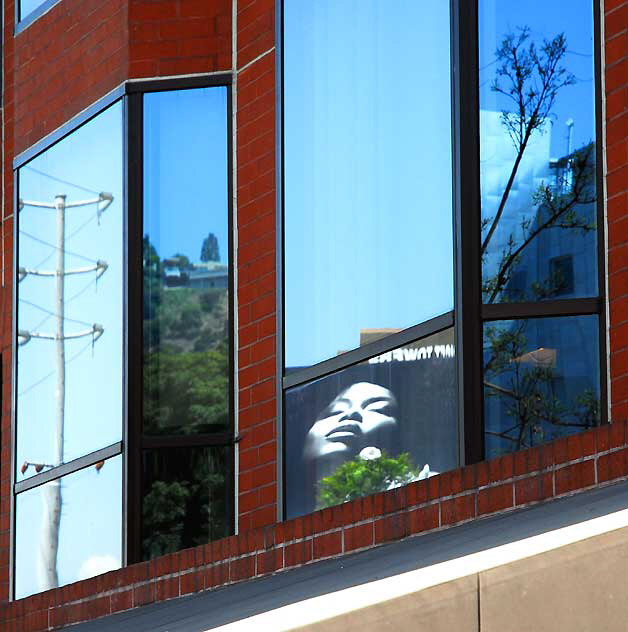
x=580 y=588
x=450 y=607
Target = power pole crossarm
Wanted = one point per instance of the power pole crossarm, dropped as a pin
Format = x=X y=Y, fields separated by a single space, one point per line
x=99 y=267
x=96 y=330
x=102 y=197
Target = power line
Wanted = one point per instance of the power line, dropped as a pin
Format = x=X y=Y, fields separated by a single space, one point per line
x=47 y=311
x=82 y=290
x=43 y=379
x=47 y=175
x=64 y=250
x=67 y=239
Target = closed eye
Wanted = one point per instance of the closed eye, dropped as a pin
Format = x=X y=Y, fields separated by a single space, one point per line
x=377 y=404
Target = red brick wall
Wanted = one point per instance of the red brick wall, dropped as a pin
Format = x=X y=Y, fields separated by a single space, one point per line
x=6 y=300
x=81 y=49
x=596 y=457
x=616 y=77
x=63 y=62
x=178 y=37
x=255 y=156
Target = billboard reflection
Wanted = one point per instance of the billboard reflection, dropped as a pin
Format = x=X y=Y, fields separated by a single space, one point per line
x=373 y=426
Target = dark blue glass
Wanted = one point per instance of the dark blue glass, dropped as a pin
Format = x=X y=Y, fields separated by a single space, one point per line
x=537 y=150
x=541 y=381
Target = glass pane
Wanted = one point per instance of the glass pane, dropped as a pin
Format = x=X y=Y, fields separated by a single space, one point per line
x=541 y=381
x=185 y=500
x=69 y=529
x=28 y=6
x=186 y=262
x=373 y=426
x=537 y=150
x=69 y=292
x=368 y=200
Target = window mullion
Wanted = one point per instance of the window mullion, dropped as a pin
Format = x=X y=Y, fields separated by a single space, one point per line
x=467 y=224
x=134 y=330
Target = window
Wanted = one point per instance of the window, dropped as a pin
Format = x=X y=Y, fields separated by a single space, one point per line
x=124 y=391
x=540 y=221
x=69 y=407
x=372 y=426
x=375 y=195
x=186 y=251
x=368 y=218
x=26 y=11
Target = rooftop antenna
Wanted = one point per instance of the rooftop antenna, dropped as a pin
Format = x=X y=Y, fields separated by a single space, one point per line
x=569 y=123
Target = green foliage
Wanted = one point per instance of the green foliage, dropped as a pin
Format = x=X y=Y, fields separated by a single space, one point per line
x=153 y=290
x=210 y=250
x=181 y=319
x=360 y=477
x=181 y=261
x=186 y=392
x=209 y=299
x=189 y=510
x=163 y=512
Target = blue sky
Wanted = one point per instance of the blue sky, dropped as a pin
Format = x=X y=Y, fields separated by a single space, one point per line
x=546 y=19
x=368 y=221
x=186 y=170
x=28 y=6
x=82 y=165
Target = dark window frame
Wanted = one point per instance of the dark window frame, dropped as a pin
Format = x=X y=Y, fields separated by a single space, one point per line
x=130 y=93
x=137 y=442
x=469 y=314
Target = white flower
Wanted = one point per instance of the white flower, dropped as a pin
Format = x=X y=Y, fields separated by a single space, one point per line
x=370 y=453
x=426 y=473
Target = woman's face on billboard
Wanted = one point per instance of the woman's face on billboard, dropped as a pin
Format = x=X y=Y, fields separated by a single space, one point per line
x=362 y=415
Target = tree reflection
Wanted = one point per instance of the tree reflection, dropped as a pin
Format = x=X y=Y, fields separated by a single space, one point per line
x=535 y=404
x=185 y=503
x=186 y=391
x=528 y=228
x=530 y=79
x=186 y=350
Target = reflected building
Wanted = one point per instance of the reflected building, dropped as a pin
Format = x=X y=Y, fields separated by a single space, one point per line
x=541 y=379
x=557 y=262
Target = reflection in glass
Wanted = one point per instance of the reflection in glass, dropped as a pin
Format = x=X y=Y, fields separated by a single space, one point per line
x=373 y=426
x=26 y=7
x=537 y=146
x=367 y=181
x=69 y=297
x=541 y=381
x=88 y=540
x=185 y=498
x=186 y=261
